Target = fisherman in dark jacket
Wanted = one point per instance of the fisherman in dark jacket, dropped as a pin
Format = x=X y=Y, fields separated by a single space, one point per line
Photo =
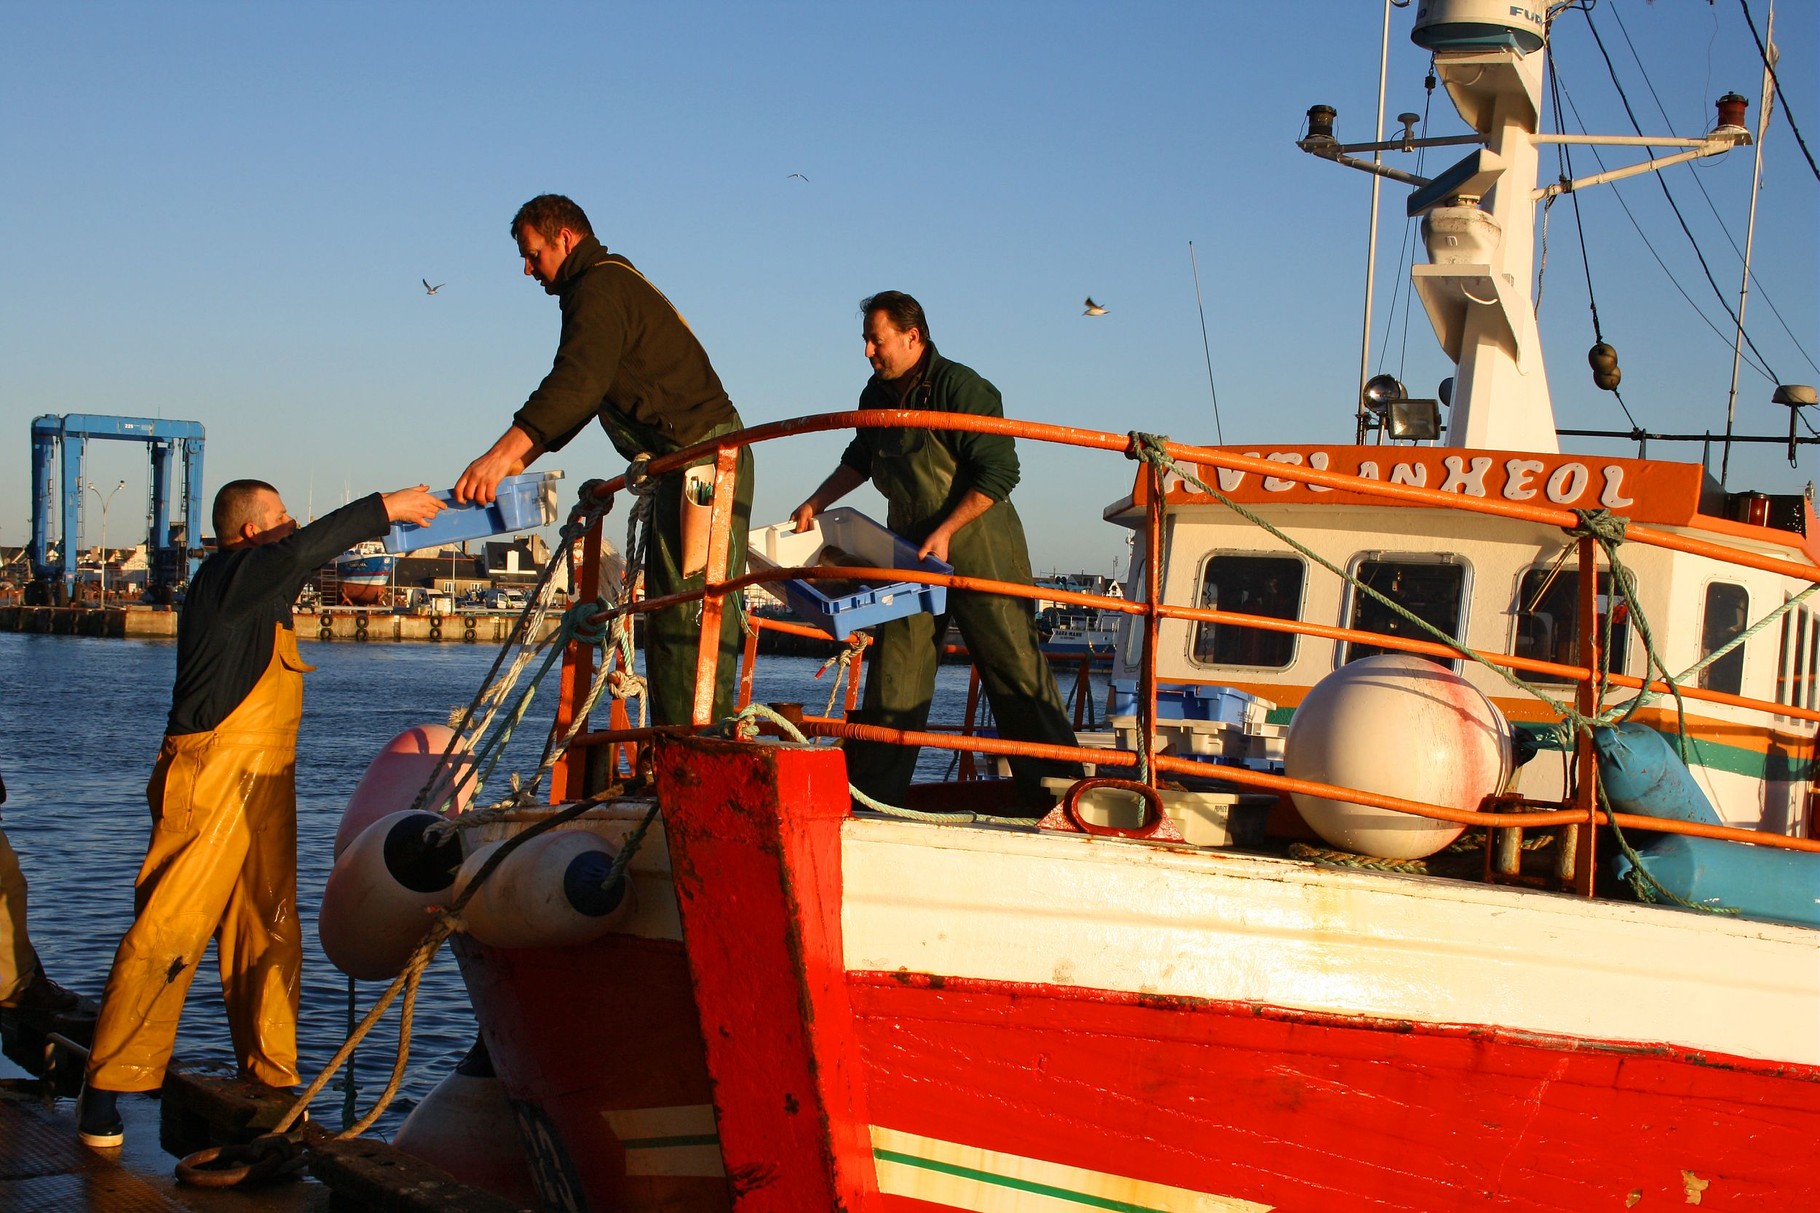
x=948 y=492
x=627 y=357
x=222 y=860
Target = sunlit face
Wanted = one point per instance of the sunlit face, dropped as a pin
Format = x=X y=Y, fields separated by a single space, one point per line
x=544 y=257
x=891 y=351
x=271 y=521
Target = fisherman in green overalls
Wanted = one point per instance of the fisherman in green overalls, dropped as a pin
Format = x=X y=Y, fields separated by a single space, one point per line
x=628 y=357
x=947 y=492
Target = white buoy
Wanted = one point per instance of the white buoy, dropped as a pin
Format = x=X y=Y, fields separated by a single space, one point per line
x=550 y=892
x=1400 y=726
x=398 y=772
x=375 y=906
x=466 y=1127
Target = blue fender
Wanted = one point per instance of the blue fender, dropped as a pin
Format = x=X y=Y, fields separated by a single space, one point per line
x=1644 y=775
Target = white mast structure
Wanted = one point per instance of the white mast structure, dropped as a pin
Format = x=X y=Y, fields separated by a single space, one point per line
x=1478 y=217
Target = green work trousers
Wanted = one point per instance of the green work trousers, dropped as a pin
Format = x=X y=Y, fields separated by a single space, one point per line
x=919 y=482
x=673 y=635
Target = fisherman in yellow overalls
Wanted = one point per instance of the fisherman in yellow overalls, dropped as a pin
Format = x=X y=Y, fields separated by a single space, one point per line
x=222 y=860
x=23 y=985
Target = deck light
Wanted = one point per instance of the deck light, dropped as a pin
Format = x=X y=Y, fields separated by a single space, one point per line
x=1414 y=420
x=1381 y=392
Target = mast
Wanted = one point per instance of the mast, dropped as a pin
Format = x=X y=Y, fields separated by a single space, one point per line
x=1767 y=98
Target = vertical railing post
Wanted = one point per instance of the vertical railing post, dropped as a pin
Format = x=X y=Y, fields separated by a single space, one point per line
x=720 y=535
x=1577 y=850
x=1153 y=592
x=577 y=675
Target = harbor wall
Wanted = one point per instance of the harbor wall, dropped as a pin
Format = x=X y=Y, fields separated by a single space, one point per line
x=342 y=623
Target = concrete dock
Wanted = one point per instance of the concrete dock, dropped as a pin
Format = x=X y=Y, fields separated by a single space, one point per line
x=334 y=623
x=44 y=1168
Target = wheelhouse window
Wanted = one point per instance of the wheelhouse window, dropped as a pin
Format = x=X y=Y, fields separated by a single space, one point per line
x=1252 y=585
x=1548 y=620
x=1798 y=664
x=1432 y=590
x=1727 y=615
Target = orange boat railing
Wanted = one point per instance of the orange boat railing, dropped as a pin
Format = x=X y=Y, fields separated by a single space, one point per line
x=1581 y=812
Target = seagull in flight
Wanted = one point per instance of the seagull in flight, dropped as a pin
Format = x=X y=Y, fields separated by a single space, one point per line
x=1093 y=309
x=799 y=177
x=431 y=290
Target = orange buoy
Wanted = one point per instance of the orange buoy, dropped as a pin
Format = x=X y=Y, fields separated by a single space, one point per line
x=398 y=772
x=466 y=1127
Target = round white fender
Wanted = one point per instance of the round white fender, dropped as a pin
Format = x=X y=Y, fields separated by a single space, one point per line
x=550 y=892
x=374 y=906
x=397 y=773
x=466 y=1127
x=1400 y=726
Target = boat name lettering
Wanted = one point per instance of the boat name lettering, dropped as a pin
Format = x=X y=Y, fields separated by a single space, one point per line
x=1522 y=480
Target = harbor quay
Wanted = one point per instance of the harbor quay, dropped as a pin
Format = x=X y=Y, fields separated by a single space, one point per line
x=337 y=623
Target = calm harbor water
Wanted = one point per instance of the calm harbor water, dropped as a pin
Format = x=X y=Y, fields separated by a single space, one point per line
x=80 y=724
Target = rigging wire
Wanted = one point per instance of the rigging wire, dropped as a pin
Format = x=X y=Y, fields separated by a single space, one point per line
x=1754 y=363
x=1706 y=269
x=1218 y=432
x=1788 y=115
x=1564 y=159
x=1762 y=293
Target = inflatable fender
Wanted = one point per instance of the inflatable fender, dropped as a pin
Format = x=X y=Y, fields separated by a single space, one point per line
x=1758 y=882
x=1399 y=726
x=375 y=906
x=466 y=1127
x=549 y=892
x=397 y=773
x=1643 y=774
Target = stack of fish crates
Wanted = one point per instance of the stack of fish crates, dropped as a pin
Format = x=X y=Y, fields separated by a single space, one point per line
x=1216 y=724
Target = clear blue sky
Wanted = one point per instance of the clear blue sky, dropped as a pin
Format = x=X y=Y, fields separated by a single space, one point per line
x=221 y=212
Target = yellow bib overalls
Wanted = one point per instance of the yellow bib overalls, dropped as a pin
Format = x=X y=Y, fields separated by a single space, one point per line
x=223 y=862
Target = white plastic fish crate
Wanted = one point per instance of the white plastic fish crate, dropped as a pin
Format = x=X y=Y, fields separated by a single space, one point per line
x=1254 y=744
x=779 y=546
x=524 y=501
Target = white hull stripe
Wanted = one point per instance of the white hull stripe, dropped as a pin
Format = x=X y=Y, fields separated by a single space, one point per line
x=987 y=1181
x=679 y=1141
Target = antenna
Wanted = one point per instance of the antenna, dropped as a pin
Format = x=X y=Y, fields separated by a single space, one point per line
x=1218 y=432
x=1750 y=239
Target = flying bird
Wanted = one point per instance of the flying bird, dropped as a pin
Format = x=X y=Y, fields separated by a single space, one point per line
x=798 y=176
x=431 y=290
x=1093 y=309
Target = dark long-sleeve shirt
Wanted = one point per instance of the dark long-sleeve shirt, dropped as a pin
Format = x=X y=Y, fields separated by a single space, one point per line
x=987 y=462
x=624 y=350
x=224 y=637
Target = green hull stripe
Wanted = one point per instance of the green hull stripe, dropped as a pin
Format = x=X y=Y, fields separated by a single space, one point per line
x=670 y=1143
x=1774 y=767
x=1021 y=1185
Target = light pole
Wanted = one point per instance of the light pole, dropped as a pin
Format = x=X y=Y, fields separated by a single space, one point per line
x=104 y=502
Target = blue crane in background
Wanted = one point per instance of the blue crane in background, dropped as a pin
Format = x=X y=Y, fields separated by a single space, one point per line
x=173 y=548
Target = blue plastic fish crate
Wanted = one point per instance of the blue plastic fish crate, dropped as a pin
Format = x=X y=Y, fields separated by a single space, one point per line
x=1190 y=701
x=780 y=547
x=525 y=501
